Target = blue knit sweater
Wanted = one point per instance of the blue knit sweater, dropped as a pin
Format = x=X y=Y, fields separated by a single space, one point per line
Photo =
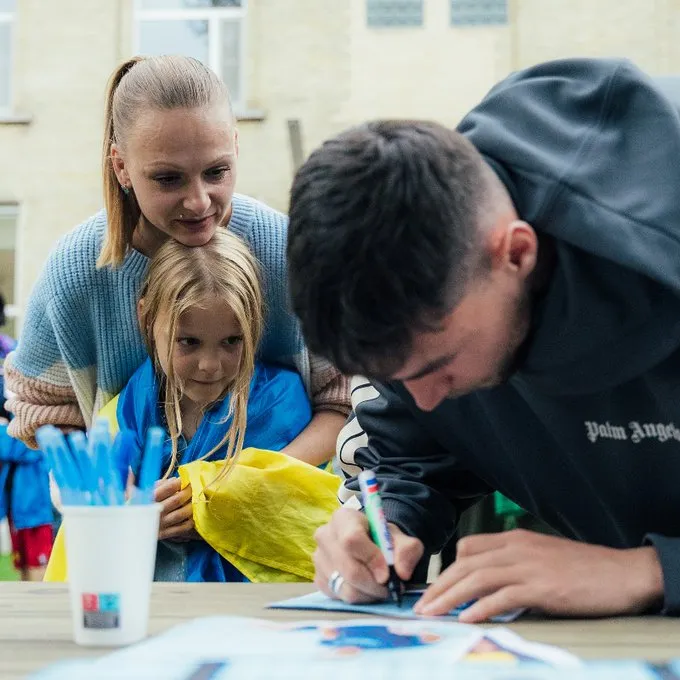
x=81 y=341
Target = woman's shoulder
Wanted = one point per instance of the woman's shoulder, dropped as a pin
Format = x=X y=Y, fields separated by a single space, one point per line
x=74 y=255
x=83 y=241
x=253 y=219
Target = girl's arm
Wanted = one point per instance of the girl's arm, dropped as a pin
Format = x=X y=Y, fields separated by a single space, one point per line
x=331 y=404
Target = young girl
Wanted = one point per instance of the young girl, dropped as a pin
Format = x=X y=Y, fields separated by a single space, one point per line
x=169 y=160
x=201 y=318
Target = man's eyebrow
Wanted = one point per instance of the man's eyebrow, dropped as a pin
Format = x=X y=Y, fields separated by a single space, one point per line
x=428 y=368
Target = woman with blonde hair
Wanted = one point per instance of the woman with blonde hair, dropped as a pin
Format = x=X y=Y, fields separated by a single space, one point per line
x=169 y=161
x=225 y=415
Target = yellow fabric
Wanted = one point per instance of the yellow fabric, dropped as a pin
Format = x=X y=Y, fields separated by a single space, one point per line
x=109 y=412
x=263 y=515
x=261 y=518
x=56 y=567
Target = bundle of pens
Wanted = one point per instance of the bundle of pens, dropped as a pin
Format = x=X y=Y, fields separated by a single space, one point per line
x=93 y=470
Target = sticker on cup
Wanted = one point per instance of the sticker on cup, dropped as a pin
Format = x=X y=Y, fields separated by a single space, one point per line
x=101 y=610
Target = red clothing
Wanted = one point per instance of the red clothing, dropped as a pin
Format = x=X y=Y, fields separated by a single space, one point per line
x=31 y=548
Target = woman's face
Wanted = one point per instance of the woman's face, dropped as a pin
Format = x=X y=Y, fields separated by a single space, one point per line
x=181 y=165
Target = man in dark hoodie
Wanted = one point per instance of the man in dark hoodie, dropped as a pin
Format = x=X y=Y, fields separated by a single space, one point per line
x=512 y=289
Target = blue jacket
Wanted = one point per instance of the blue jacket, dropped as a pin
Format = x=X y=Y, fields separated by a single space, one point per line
x=24 y=484
x=278 y=410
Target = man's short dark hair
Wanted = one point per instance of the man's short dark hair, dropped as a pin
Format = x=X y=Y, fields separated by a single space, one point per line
x=3 y=318
x=383 y=238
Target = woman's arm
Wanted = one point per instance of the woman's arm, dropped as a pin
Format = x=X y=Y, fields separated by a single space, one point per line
x=331 y=404
x=316 y=443
x=35 y=402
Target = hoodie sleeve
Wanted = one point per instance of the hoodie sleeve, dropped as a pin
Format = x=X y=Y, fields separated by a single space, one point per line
x=424 y=488
x=668 y=552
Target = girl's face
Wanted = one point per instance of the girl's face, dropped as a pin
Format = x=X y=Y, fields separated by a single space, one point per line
x=181 y=165
x=206 y=350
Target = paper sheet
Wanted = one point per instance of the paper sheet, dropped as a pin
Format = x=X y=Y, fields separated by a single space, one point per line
x=319 y=601
x=234 y=648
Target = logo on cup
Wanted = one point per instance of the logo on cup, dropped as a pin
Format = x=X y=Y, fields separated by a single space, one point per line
x=101 y=610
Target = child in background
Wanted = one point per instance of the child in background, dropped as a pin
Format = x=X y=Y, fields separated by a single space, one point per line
x=25 y=501
x=24 y=488
x=201 y=318
x=7 y=344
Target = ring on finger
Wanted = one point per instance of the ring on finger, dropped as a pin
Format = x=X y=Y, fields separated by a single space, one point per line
x=335 y=583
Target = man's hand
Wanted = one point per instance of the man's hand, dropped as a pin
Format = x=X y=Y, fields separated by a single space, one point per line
x=558 y=576
x=177 y=515
x=344 y=545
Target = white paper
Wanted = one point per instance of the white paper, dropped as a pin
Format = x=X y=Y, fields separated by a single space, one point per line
x=228 y=648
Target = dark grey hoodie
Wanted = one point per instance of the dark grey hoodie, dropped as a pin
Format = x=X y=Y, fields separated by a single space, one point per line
x=586 y=434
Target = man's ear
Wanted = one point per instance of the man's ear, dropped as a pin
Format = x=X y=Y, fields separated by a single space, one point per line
x=513 y=245
x=236 y=142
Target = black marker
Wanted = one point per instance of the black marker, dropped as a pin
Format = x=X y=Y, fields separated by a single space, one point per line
x=379 y=529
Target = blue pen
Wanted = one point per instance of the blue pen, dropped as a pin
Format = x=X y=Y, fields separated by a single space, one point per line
x=151 y=464
x=124 y=445
x=61 y=464
x=78 y=442
x=108 y=480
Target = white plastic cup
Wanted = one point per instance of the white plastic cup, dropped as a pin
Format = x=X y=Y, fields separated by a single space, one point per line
x=111 y=553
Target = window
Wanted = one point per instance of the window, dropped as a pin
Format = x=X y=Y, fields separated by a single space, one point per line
x=8 y=239
x=479 y=12
x=209 y=30
x=7 y=8
x=387 y=13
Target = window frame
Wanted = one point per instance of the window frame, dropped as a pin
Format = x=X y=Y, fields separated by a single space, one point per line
x=13 y=310
x=374 y=24
x=465 y=20
x=213 y=15
x=10 y=19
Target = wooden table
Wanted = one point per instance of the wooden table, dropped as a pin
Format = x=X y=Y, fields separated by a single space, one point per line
x=35 y=625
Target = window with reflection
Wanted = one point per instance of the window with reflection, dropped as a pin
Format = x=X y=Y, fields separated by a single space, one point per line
x=8 y=258
x=209 y=30
x=7 y=12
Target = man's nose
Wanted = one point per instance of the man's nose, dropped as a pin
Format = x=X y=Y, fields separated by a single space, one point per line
x=428 y=393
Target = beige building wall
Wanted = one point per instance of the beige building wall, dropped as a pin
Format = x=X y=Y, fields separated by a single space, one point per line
x=316 y=61
x=434 y=71
x=49 y=164
x=645 y=31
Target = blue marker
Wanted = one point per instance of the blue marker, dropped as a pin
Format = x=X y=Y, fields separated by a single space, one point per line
x=61 y=463
x=121 y=454
x=151 y=463
x=78 y=443
x=108 y=480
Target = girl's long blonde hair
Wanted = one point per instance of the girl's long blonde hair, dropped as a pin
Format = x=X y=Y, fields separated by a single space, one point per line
x=181 y=278
x=146 y=83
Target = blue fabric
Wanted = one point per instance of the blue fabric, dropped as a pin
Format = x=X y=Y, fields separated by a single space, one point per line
x=24 y=484
x=278 y=410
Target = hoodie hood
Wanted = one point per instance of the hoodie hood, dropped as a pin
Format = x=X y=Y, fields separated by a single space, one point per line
x=588 y=149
